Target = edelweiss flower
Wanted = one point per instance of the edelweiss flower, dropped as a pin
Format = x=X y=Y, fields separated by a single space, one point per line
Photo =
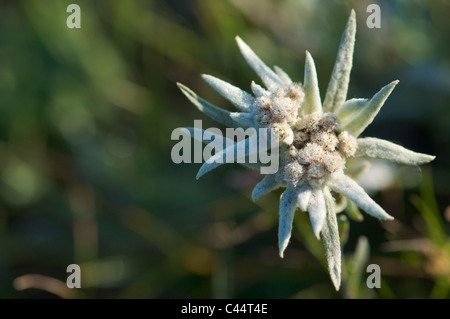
x=315 y=138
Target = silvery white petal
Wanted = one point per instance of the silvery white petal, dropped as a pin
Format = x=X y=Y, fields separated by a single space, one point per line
x=258 y=90
x=382 y=149
x=284 y=77
x=312 y=101
x=269 y=78
x=331 y=241
x=288 y=203
x=338 y=86
x=265 y=186
x=241 y=99
x=231 y=119
x=366 y=115
x=317 y=211
x=233 y=153
x=348 y=111
x=304 y=195
x=348 y=187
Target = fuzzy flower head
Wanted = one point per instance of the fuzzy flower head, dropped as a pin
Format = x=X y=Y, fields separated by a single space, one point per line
x=316 y=139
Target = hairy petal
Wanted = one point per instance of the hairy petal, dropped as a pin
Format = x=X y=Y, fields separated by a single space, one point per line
x=241 y=152
x=381 y=149
x=366 y=115
x=241 y=99
x=348 y=111
x=338 y=86
x=231 y=119
x=258 y=90
x=312 y=101
x=304 y=195
x=265 y=186
x=269 y=78
x=348 y=187
x=195 y=133
x=331 y=242
x=288 y=204
x=317 y=211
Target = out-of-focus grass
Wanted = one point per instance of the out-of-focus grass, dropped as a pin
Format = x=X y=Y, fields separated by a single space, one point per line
x=85 y=170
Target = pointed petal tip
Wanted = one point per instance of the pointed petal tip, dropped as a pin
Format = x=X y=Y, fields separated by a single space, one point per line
x=282 y=247
x=239 y=40
x=352 y=17
x=391 y=85
x=336 y=284
x=200 y=173
x=317 y=229
x=385 y=150
x=317 y=235
x=184 y=89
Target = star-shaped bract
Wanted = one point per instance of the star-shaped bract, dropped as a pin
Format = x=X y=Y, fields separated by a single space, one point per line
x=315 y=140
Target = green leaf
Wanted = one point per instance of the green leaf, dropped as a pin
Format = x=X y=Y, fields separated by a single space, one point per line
x=317 y=211
x=348 y=111
x=428 y=208
x=265 y=186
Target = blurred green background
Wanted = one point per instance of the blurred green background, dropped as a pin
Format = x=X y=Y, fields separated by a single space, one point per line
x=86 y=175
